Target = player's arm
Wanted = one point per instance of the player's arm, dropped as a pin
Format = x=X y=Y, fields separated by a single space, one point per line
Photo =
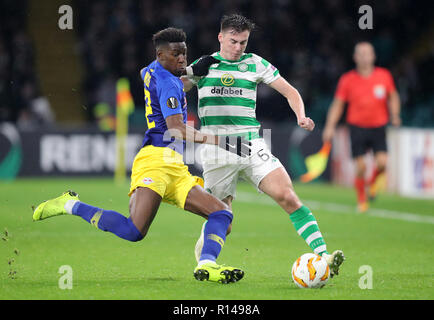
x=333 y=115
x=188 y=84
x=180 y=130
x=394 y=103
x=295 y=102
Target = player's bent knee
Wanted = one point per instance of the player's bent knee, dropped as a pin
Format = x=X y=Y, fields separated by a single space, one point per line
x=288 y=200
x=138 y=236
x=218 y=205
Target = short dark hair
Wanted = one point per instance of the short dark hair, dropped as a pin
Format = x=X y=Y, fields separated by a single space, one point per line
x=236 y=22
x=168 y=35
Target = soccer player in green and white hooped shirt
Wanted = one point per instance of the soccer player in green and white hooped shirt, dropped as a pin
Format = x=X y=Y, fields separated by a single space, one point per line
x=227 y=103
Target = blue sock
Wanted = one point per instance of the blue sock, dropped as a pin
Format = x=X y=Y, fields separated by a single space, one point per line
x=107 y=220
x=215 y=234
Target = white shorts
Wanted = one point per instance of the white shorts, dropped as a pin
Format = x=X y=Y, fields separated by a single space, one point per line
x=221 y=169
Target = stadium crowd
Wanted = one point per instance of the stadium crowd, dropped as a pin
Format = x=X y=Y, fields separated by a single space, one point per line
x=308 y=41
x=20 y=98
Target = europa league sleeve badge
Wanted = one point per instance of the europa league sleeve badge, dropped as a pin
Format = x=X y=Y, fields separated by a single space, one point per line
x=172 y=103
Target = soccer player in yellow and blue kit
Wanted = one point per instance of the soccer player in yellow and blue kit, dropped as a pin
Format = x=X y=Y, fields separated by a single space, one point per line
x=159 y=173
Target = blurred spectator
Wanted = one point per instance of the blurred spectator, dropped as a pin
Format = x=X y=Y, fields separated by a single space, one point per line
x=20 y=98
x=35 y=110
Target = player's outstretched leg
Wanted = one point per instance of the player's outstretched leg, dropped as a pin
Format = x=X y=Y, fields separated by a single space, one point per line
x=307 y=227
x=106 y=220
x=277 y=185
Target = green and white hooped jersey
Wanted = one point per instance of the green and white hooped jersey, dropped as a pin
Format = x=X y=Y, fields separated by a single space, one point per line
x=227 y=95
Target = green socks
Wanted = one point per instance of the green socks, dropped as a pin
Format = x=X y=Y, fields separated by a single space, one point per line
x=307 y=227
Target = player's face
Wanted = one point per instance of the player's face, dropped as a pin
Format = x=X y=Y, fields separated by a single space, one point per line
x=233 y=44
x=364 y=55
x=173 y=57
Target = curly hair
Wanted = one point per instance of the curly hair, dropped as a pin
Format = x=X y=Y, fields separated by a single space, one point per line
x=168 y=35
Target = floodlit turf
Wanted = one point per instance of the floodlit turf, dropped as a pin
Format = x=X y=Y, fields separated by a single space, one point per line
x=263 y=242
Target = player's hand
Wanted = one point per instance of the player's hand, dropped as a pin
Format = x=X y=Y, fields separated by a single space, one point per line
x=306 y=123
x=200 y=68
x=236 y=145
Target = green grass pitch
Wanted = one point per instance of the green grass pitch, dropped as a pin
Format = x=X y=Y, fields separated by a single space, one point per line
x=395 y=239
